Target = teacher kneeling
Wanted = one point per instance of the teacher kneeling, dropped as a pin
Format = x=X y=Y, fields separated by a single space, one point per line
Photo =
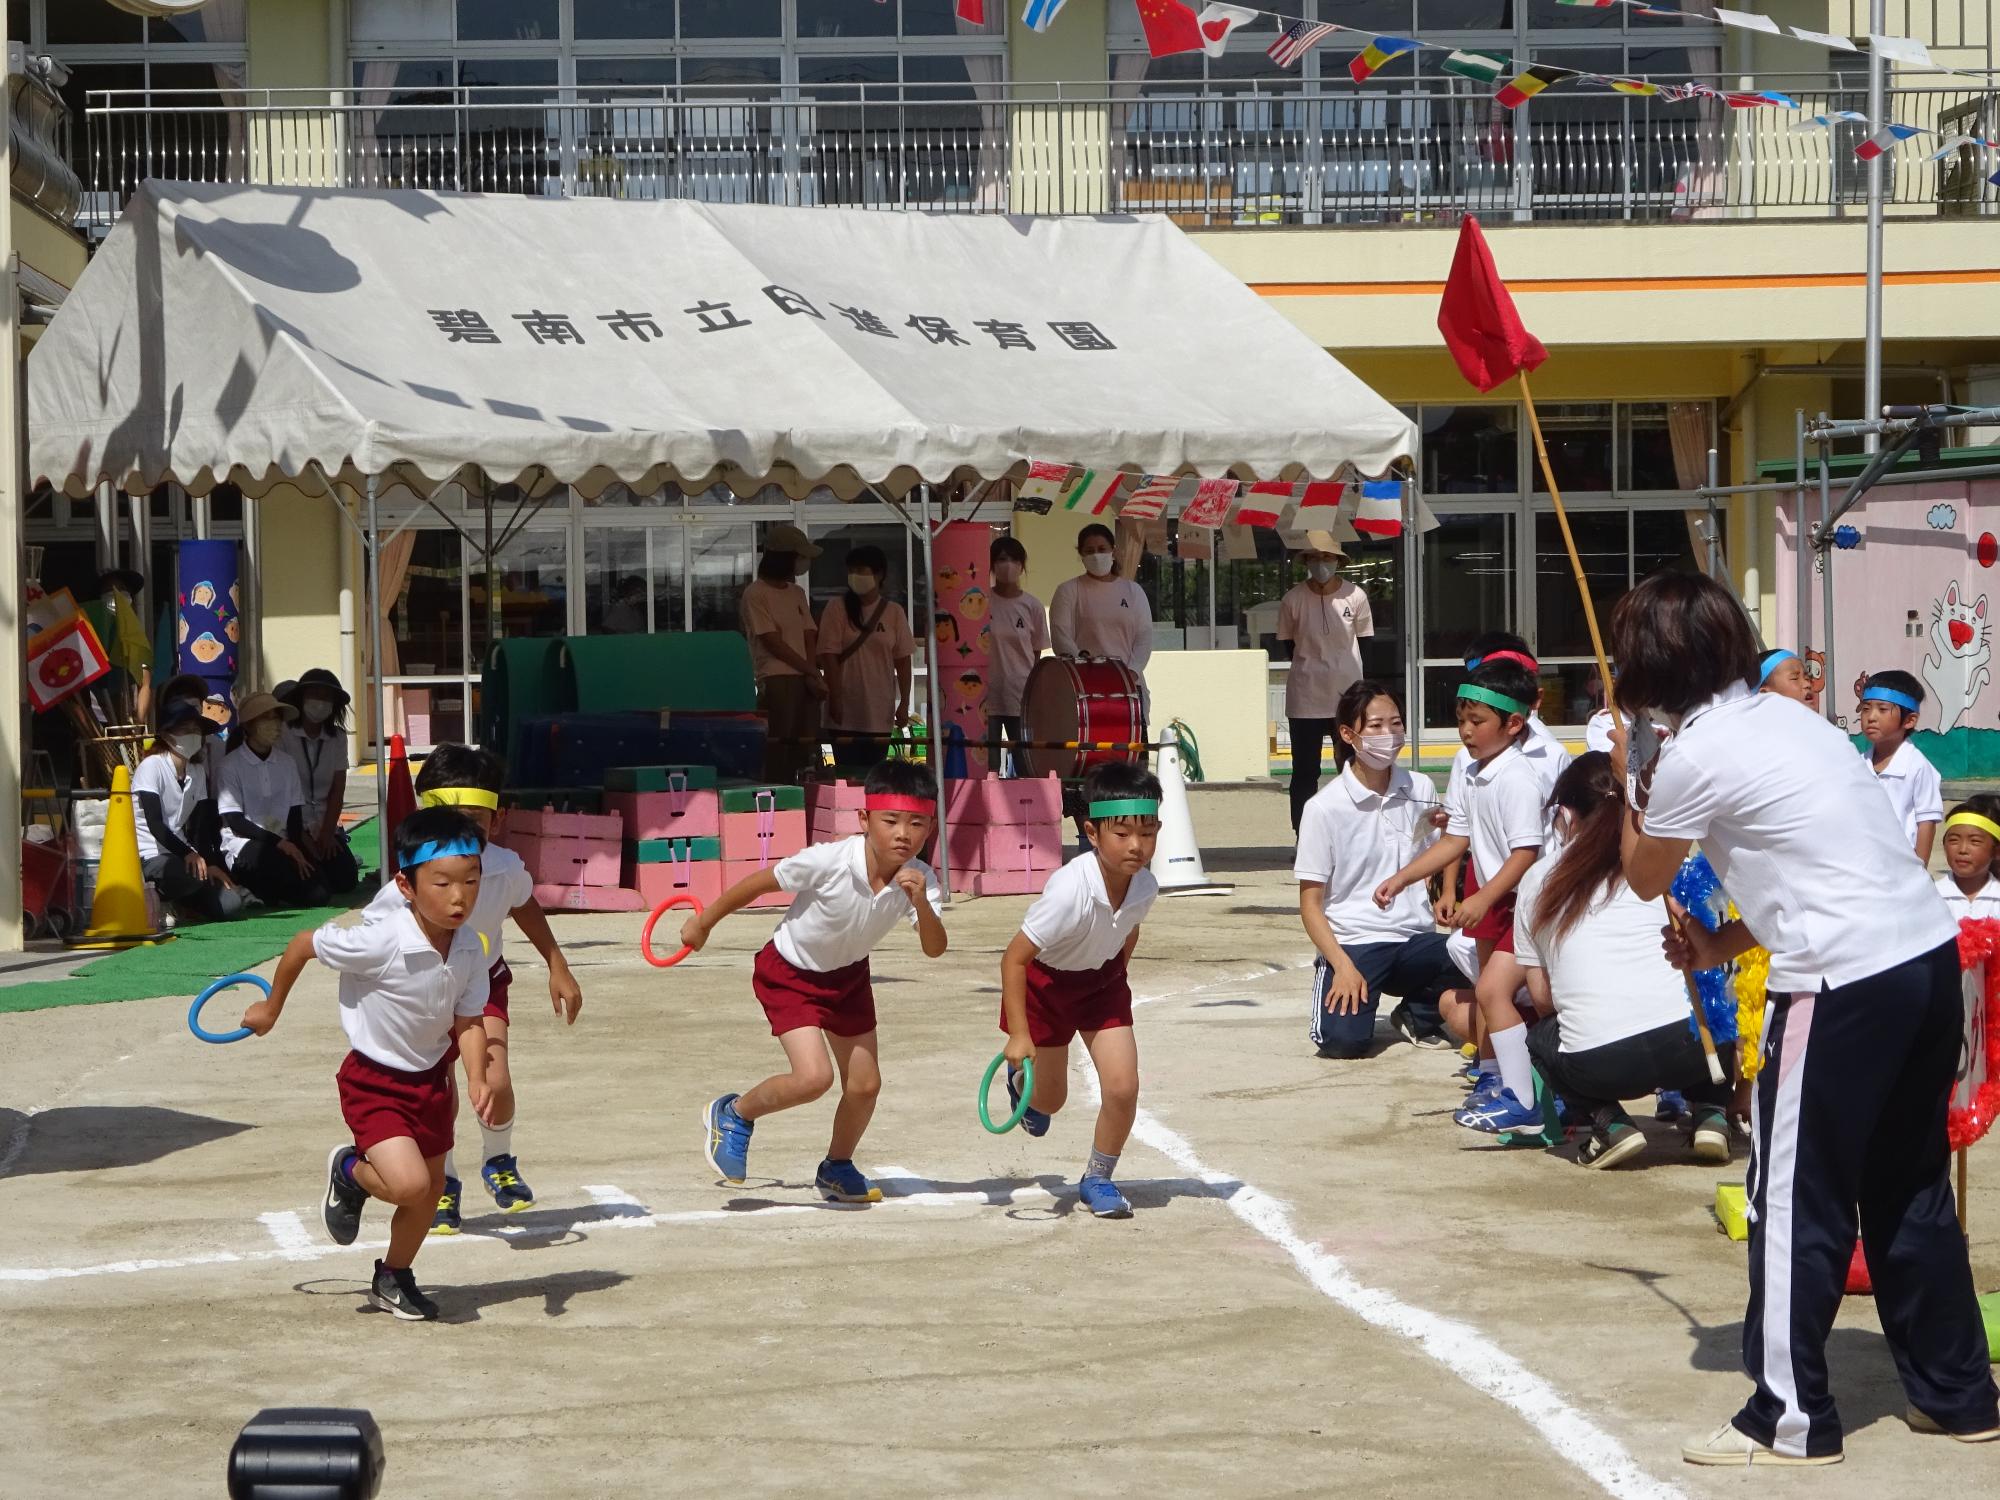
x=1861 y=1039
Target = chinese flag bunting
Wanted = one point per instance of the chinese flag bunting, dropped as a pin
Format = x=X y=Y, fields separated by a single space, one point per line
x=1319 y=507
x=1171 y=27
x=1477 y=317
x=63 y=660
x=1211 y=502
x=1148 y=501
x=1265 y=504
x=1380 y=511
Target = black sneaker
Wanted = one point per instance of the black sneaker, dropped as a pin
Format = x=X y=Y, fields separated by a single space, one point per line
x=341 y=1212
x=396 y=1292
x=1413 y=1031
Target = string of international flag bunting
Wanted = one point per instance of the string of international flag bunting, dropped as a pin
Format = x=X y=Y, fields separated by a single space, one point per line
x=1176 y=26
x=1369 y=507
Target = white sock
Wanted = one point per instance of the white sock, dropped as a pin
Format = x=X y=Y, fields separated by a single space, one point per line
x=500 y=1141
x=1510 y=1050
x=451 y=1167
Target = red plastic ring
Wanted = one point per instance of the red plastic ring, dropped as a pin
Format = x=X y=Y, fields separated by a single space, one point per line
x=646 y=933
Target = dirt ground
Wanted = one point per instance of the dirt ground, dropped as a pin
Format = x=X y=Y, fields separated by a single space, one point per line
x=1327 y=1289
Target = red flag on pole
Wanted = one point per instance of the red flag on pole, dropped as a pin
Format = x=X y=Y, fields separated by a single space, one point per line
x=1477 y=316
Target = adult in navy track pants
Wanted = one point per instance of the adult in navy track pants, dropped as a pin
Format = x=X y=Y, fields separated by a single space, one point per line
x=1862 y=1037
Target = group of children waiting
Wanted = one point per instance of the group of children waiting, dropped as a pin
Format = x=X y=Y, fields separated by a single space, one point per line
x=1554 y=969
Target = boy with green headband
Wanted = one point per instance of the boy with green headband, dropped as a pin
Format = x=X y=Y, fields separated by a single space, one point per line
x=412 y=984
x=1064 y=975
x=469 y=779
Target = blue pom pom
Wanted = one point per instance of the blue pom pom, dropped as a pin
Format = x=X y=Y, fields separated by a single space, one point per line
x=1699 y=889
x=1847 y=538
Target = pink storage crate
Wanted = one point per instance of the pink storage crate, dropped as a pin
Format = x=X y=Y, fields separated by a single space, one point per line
x=574 y=861
x=994 y=800
x=682 y=814
x=831 y=828
x=588 y=898
x=541 y=823
x=734 y=870
x=1005 y=882
x=833 y=796
x=1023 y=846
x=762 y=838
x=699 y=878
x=526 y=845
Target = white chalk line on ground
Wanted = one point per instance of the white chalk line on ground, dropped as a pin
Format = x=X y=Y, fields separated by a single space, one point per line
x=288 y=1229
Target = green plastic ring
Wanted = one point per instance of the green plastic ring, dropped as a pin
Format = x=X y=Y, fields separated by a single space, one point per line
x=986 y=1087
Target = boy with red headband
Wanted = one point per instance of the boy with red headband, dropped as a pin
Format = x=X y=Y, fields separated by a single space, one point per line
x=812 y=977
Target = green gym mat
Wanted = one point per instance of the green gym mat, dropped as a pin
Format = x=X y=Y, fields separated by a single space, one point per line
x=706 y=670
x=523 y=680
x=197 y=955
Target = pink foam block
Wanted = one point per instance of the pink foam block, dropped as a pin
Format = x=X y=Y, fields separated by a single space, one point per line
x=831 y=828
x=667 y=815
x=569 y=861
x=762 y=838
x=564 y=825
x=734 y=870
x=993 y=800
x=588 y=898
x=1006 y=883
x=701 y=879
x=833 y=796
x=1023 y=846
x=527 y=845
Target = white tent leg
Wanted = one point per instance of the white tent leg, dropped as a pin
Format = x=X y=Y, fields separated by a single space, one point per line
x=13 y=707
x=935 y=729
x=1413 y=627
x=376 y=695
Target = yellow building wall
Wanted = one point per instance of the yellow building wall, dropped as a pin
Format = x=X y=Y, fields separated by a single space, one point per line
x=1220 y=695
x=300 y=569
x=48 y=247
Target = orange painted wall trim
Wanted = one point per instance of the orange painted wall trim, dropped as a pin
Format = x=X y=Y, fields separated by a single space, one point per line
x=1630 y=284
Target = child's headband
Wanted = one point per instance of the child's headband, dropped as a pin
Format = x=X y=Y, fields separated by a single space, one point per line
x=460 y=796
x=1890 y=695
x=424 y=853
x=896 y=802
x=1500 y=701
x=1974 y=820
x=1519 y=658
x=1772 y=662
x=1126 y=807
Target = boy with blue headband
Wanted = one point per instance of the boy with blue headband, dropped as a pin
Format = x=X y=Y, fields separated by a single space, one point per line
x=412 y=986
x=1890 y=704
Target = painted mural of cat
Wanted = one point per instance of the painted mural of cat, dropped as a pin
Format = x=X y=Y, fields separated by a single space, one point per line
x=1959 y=667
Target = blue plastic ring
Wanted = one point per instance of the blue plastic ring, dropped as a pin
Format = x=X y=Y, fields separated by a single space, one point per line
x=194 y=1010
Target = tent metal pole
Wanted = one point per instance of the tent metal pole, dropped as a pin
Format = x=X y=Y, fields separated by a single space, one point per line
x=1413 y=656
x=934 y=730
x=1802 y=549
x=377 y=695
x=1823 y=545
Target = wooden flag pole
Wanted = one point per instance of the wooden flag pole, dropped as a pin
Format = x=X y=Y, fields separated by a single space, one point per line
x=1715 y=1069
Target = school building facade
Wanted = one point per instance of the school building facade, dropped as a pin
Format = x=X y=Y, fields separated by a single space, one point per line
x=1696 y=272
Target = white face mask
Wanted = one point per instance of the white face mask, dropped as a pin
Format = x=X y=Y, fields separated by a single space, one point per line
x=1379 y=750
x=1007 y=572
x=317 y=710
x=1320 y=572
x=186 y=746
x=862 y=583
x=1098 y=563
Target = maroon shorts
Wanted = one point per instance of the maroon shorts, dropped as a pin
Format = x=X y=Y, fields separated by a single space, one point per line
x=841 y=1001
x=1497 y=926
x=499 y=979
x=1062 y=1002
x=381 y=1103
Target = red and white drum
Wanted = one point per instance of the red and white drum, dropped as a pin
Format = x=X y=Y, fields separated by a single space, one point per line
x=1071 y=700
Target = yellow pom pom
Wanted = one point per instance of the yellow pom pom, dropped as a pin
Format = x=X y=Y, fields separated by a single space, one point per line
x=1753 y=973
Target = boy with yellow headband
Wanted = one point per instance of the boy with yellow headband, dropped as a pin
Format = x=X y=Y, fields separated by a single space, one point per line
x=1971 y=847
x=469 y=780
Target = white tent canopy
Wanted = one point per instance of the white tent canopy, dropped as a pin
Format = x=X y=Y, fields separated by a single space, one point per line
x=253 y=335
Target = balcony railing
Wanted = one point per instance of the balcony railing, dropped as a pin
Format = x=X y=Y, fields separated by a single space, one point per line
x=1336 y=155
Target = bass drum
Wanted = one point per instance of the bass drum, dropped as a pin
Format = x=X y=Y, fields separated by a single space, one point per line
x=1071 y=699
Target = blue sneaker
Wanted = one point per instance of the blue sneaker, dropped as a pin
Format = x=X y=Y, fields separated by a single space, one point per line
x=502 y=1176
x=1103 y=1199
x=1500 y=1113
x=446 y=1219
x=840 y=1182
x=1033 y=1121
x=1484 y=1086
x=1671 y=1105
x=728 y=1147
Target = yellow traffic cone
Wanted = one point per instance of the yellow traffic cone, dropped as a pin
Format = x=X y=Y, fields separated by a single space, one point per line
x=118 y=916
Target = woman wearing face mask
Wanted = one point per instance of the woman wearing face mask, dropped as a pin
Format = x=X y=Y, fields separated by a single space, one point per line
x=1369 y=822
x=1323 y=619
x=170 y=791
x=317 y=744
x=777 y=621
x=865 y=647
x=1020 y=635
x=1862 y=1032
x=1101 y=614
x=262 y=806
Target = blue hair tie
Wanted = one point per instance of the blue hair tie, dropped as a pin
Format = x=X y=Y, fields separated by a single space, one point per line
x=439 y=849
x=1890 y=695
x=1772 y=661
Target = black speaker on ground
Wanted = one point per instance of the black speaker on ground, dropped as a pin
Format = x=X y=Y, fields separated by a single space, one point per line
x=307 y=1453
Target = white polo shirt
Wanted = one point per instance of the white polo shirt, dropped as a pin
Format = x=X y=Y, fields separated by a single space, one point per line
x=1501 y=809
x=835 y=919
x=1915 y=789
x=397 y=996
x=177 y=797
x=1325 y=631
x=1986 y=903
x=1072 y=922
x=1597 y=733
x=1543 y=752
x=320 y=758
x=504 y=883
x=1020 y=635
x=1608 y=975
x=1351 y=840
x=264 y=788
x=1802 y=838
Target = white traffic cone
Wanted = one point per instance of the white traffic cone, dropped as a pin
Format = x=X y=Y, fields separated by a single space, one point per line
x=1177 y=857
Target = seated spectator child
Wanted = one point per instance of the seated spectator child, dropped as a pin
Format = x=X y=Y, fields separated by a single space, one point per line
x=262 y=809
x=317 y=744
x=176 y=820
